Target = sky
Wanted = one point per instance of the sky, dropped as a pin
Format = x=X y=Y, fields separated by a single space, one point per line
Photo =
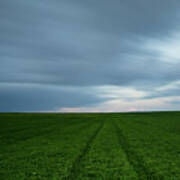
x=89 y=56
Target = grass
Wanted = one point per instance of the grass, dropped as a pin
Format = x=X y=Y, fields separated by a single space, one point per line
x=127 y=146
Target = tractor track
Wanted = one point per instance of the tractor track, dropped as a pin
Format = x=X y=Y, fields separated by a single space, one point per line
x=76 y=167
x=134 y=159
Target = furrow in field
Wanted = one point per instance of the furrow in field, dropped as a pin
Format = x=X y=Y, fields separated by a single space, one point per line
x=75 y=169
x=135 y=160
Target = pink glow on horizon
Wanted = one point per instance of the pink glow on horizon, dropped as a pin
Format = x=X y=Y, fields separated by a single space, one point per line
x=80 y=109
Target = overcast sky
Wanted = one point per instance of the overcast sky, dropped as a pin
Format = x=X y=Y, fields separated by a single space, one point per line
x=89 y=55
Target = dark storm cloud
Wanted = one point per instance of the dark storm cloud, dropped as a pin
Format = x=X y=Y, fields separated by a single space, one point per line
x=29 y=97
x=81 y=43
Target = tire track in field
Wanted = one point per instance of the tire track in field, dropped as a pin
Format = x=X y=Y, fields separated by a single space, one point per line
x=74 y=171
x=134 y=159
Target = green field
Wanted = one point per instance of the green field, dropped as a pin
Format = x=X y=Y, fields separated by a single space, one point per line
x=136 y=146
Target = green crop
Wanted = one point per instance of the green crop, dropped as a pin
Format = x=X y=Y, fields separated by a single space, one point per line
x=110 y=146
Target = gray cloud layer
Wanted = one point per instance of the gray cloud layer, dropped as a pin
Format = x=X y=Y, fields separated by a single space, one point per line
x=81 y=44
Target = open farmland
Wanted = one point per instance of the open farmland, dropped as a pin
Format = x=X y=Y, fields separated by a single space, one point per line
x=110 y=146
